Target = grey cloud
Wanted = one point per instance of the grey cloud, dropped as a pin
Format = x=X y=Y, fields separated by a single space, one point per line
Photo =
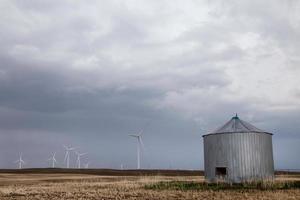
x=88 y=74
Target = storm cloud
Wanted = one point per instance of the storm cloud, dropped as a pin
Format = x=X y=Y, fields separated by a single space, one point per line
x=88 y=74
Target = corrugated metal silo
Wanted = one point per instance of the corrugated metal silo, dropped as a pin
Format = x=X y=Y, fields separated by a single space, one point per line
x=238 y=152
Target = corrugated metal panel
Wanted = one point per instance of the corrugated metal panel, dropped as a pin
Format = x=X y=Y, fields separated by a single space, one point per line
x=247 y=156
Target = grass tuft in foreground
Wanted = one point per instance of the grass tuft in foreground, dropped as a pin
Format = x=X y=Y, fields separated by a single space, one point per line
x=184 y=186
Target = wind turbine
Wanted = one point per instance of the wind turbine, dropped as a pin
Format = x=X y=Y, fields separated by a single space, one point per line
x=67 y=155
x=86 y=165
x=78 y=158
x=139 y=146
x=20 y=161
x=53 y=160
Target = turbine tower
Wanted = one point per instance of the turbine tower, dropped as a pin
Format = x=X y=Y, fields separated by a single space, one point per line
x=78 y=158
x=53 y=160
x=67 y=155
x=139 y=147
x=20 y=161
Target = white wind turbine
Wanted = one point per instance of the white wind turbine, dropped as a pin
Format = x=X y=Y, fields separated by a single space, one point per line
x=86 y=165
x=139 y=147
x=67 y=155
x=53 y=160
x=20 y=161
x=78 y=158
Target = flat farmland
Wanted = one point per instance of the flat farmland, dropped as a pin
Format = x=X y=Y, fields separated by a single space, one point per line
x=114 y=184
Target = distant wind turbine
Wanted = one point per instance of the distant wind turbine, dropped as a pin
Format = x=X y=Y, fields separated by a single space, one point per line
x=67 y=155
x=139 y=147
x=20 y=161
x=52 y=158
x=86 y=165
x=78 y=158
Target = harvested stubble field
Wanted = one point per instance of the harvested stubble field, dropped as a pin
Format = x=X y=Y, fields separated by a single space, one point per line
x=125 y=185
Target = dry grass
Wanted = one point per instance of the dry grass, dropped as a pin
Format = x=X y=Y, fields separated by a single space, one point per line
x=221 y=186
x=68 y=186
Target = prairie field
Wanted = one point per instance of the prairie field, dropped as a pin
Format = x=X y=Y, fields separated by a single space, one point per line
x=92 y=186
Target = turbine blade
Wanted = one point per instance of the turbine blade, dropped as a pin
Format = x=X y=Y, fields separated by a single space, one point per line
x=141 y=142
x=132 y=135
x=72 y=148
x=66 y=155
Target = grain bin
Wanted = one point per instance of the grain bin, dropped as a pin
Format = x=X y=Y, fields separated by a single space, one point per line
x=238 y=152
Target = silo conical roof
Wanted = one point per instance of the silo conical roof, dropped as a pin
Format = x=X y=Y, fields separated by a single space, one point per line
x=236 y=125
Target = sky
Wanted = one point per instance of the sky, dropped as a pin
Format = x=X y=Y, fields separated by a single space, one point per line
x=88 y=73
